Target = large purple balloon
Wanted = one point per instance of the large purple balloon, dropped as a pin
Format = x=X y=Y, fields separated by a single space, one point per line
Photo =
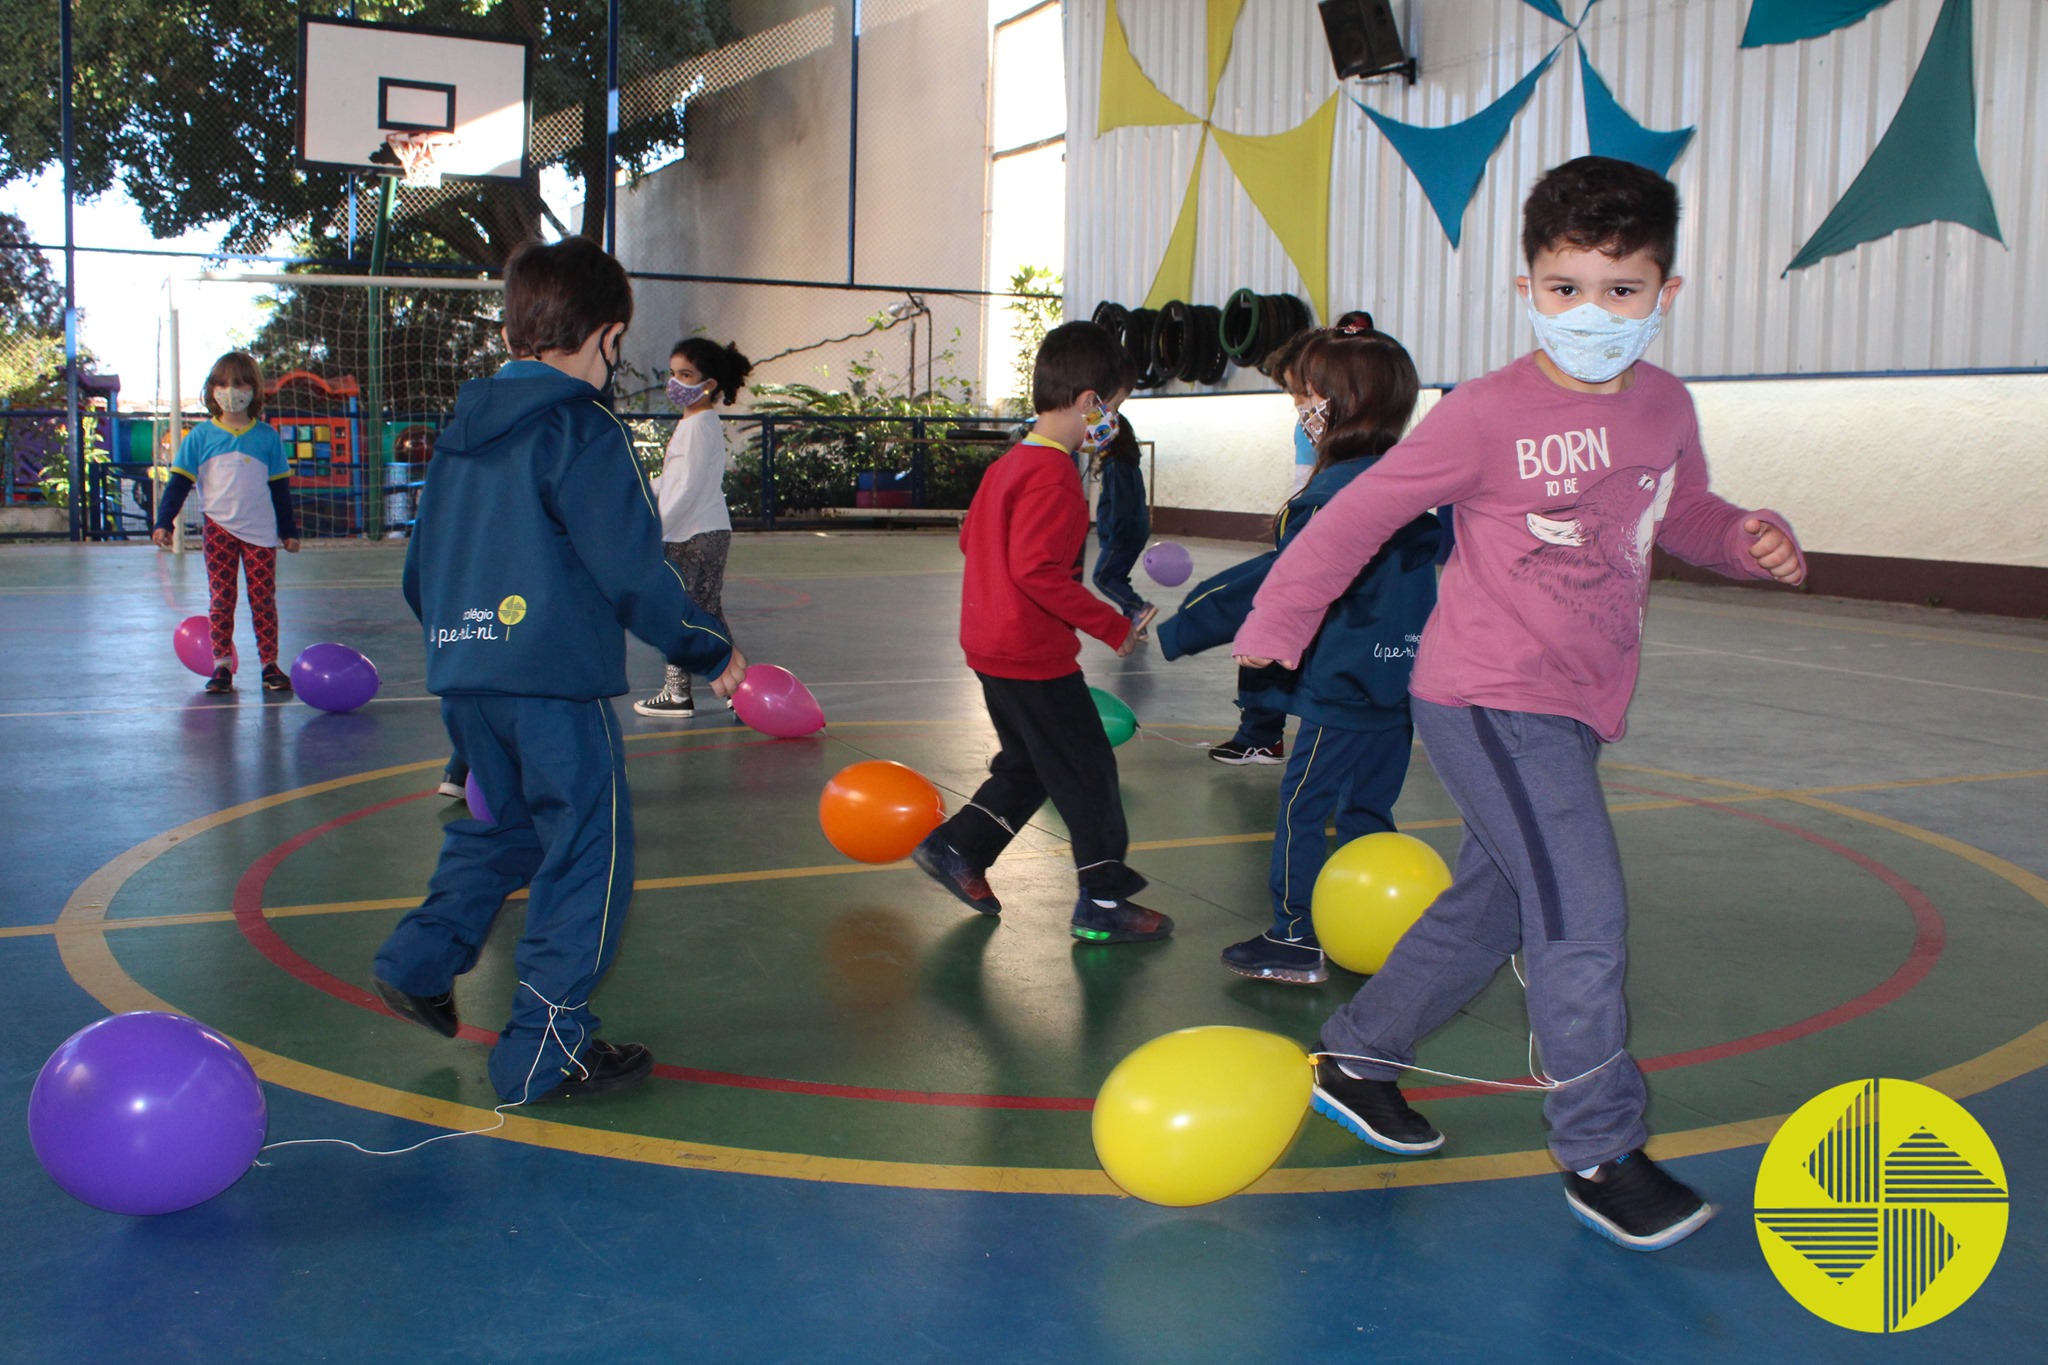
x=333 y=677
x=192 y=642
x=775 y=703
x=473 y=795
x=1169 y=564
x=146 y=1113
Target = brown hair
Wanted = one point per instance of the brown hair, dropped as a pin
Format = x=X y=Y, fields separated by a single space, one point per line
x=558 y=293
x=1077 y=358
x=236 y=367
x=1596 y=203
x=1276 y=363
x=1370 y=382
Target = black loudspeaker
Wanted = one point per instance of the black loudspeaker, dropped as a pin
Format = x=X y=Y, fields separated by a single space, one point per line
x=1364 y=39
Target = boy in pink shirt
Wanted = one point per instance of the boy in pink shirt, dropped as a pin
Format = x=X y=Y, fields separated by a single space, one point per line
x=1565 y=467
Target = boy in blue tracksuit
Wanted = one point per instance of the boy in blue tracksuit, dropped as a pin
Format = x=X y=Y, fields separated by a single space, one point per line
x=537 y=546
x=1351 y=691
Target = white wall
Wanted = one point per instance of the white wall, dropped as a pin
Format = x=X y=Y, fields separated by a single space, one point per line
x=1947 y=469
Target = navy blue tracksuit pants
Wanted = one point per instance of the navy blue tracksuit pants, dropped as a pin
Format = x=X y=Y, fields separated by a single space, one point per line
x=1356 y=773
x=1539 y=873
x=553 y=774
x=1114 y=560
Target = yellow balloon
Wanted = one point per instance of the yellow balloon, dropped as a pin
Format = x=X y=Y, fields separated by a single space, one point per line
x=1368 y=895
x=1195 y=1116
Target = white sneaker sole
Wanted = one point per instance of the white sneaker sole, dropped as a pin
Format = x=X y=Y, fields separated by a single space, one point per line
x=1249 y=760
x=664 y=712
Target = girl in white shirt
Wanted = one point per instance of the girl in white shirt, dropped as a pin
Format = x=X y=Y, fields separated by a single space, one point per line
x=696 y=529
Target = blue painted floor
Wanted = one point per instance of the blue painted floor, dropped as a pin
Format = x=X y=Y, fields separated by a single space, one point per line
x=483 y=1250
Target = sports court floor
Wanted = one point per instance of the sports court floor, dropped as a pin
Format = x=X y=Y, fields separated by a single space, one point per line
x=869 y=1139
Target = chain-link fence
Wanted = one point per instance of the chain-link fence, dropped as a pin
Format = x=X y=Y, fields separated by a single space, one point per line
x=805 y=181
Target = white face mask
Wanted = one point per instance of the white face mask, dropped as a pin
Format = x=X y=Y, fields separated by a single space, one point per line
x=1591 y=344
x=1315 y=419
x=233 y=401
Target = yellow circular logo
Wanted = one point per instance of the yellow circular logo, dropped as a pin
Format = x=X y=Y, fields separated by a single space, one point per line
x=512 y=610
x=1881 y=1205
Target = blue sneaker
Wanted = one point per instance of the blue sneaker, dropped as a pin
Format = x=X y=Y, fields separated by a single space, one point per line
x=949 y=867
x=1634 y=1202
x=1267 y=958
x=1120 y=922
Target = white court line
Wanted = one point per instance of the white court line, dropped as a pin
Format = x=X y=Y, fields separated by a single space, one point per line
x=1853 y=672
x=203 y=706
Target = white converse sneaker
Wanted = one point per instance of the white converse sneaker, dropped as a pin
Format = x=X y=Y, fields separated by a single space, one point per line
x=667 y=704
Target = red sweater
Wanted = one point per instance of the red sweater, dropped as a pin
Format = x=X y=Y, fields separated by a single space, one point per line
x=1021 y=599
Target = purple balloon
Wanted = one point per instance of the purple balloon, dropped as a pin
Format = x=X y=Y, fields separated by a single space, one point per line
x=1169 y=564
x=474 y=795
x=333 y=677
x=192 y=642
x=775 y=703
x=146 y=1113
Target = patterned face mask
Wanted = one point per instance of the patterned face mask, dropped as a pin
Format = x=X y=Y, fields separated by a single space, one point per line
x=235 y=400
x=686 y=395
x=1593 y=345
x=1314 y=418
x=1101 y=429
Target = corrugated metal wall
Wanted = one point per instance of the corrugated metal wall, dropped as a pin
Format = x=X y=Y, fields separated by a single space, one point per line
x=1782 y=131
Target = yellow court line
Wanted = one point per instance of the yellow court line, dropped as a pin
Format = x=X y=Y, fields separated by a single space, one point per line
x=1959 y=635
x=89 y=957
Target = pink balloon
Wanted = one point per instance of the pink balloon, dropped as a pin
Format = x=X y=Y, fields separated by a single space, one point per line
x=775 y=703
x=192 y=641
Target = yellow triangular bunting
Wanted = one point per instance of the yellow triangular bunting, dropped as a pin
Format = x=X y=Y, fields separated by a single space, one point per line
x=1287 y=176
x=1176 y=277
x=1129 y=99
x=1222 y=25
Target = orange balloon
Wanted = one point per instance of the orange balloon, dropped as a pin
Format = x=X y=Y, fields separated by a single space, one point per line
x=878 y=811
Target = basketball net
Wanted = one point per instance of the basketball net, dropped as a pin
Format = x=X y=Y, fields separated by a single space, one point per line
x=416 y=153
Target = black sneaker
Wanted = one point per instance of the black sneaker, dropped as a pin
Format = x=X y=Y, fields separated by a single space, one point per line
x=1267 y=958
x=603 y=1068
x=949 y=867
x=1635 y=1203
x=1372 y=1111
x=274 y=679
x=436 y=1012
x=1121 y=922
x=221 y=681
x=668 y=704
x=1238 y=754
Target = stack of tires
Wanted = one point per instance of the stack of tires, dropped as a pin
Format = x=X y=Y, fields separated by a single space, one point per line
x=1195 y=343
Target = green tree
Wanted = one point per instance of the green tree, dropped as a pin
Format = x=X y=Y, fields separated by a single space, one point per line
x=188 y=106
x=1034 y=311
x=31 y=315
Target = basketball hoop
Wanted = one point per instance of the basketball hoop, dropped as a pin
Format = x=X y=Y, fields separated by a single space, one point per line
x=415 y=154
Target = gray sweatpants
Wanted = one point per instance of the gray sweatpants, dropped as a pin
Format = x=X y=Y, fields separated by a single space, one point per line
x=1538 y=872
x=701 y=560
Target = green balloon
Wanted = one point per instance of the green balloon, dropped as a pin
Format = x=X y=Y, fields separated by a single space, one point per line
x=1119 y=722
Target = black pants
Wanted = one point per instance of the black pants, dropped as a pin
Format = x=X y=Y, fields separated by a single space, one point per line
x=1053 y=745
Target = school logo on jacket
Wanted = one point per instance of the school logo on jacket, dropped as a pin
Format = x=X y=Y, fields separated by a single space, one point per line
x=512 y=611
x=1881 y=1205
x=483 y=623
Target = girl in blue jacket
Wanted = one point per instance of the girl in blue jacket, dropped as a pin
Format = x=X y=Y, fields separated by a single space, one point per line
x=1123 y=522
x=1356 y=393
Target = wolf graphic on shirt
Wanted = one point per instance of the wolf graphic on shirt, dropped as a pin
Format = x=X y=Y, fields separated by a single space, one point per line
x=1594 y=556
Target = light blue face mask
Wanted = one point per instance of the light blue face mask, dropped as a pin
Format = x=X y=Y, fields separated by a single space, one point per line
x=1591 y=344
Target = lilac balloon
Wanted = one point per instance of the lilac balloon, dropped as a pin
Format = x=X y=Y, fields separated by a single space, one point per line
x=333 y=677
x=192 y=642
x=775 y=703
x=474 y=795
x=146 y=1113
x=1169 y=564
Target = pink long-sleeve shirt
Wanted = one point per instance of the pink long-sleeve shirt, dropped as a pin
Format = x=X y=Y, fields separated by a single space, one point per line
x=1559 y=497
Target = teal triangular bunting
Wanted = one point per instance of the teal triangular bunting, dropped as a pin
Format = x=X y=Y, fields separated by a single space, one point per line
x=1449 y=162
x=1925 y=168
x=1549 y=7
x=1611 y=132
x=1789 y=21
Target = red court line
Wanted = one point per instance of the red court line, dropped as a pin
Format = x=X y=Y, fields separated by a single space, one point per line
x=1929 y=938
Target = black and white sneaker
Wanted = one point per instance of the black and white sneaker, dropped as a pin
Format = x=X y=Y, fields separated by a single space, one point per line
x=667 y=704
x=1268 y=958
x=221 y=681
x=1634 y=1202
x=1372 y=1111
x=603 y=1068
x=1239 y=754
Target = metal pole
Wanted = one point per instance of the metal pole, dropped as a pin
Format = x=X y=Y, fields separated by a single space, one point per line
x=611 y=128
x=177 y=414
x=372 y=456
x=853 y=142
x=74 y=428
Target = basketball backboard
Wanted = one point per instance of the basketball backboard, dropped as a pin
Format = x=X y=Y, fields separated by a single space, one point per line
x=364 y=87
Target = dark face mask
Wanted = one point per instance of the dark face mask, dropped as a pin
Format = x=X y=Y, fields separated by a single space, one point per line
x=611 y=369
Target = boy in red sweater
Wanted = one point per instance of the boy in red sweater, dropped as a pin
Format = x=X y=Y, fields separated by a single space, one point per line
x=1021 y=604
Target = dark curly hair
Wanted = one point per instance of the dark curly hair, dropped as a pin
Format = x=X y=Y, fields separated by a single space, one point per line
x=1596 y=203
